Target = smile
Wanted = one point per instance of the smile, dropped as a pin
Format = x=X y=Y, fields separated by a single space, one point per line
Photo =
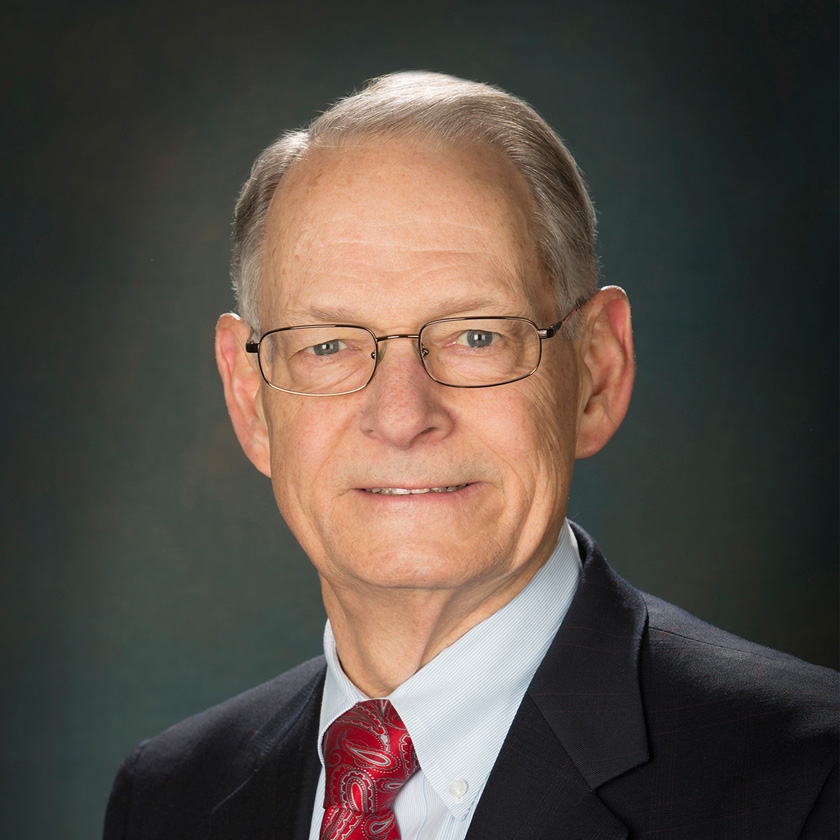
x=402 y=491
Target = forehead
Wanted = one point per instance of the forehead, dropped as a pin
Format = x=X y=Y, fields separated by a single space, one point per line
x=399 y=218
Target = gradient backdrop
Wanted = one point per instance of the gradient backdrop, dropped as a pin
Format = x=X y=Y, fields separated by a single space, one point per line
x=145 y=571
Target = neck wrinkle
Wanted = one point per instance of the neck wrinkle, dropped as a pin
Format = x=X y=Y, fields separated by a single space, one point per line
x=383 y=637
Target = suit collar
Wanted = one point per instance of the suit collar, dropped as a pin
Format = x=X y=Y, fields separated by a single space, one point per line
x=581 y=722
x=588 y=686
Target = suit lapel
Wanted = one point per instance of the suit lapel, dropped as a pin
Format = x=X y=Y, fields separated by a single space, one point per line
x=275 y=801
x=580 y=724
x=536 y=791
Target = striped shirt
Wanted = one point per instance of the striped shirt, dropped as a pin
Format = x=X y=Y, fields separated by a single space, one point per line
x=458 y=707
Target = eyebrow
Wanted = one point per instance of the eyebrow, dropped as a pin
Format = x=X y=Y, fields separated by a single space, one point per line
x=445 y=308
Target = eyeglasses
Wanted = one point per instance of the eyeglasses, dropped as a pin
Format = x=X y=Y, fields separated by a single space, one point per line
x=328 y=360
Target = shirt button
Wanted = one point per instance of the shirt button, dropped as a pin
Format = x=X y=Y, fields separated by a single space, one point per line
x=458 y=788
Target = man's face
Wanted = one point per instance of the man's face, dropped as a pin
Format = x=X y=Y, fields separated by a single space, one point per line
x=390 y=235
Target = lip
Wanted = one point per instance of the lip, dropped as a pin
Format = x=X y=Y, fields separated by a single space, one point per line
x=415 y=492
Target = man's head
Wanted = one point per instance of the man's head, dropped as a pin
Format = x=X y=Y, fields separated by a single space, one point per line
x=389 y=229
x=444 y=111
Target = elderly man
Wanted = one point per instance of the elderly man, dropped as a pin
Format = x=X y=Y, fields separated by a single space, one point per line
x=421 y=354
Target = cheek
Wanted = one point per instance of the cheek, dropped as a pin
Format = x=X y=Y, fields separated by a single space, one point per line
x=554 y=412
x=532 y=443
x=558 y=388
x=546 y=431
x=301 y=439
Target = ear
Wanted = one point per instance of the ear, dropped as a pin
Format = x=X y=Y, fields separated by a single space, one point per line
x=243 y=384
x=607 y=369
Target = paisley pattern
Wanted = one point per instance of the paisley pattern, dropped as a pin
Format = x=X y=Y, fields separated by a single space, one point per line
x=368 y=756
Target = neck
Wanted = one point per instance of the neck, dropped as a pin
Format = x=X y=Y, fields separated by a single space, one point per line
x=385 y=635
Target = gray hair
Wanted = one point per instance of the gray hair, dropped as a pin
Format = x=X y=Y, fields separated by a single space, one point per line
x=447 y=110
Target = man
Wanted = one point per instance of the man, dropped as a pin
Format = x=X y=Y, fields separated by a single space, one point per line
x=421 y=354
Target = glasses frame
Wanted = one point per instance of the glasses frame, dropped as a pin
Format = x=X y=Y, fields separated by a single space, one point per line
x=544 y=333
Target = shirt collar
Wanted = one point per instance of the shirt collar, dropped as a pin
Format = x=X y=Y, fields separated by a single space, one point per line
x=458 y=707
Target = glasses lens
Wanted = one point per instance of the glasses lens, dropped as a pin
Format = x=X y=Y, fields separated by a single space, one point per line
x=321 y=360
x=476 y=352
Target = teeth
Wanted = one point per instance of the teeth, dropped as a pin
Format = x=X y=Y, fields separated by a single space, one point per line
x=402 y=491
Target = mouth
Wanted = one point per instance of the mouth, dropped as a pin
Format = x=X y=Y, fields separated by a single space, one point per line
x=413 y=491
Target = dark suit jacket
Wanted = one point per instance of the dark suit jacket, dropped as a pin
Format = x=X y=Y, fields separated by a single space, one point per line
x=641 y=722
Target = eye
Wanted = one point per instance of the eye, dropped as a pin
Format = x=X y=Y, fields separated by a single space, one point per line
x=326 y=348
x=477 y=339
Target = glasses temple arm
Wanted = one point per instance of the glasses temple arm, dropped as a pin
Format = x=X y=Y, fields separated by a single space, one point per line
x=551 y=331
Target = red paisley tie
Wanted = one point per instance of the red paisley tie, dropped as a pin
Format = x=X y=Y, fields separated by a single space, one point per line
x=368 y=757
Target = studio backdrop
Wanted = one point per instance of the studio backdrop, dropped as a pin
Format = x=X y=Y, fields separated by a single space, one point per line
x=146 y=573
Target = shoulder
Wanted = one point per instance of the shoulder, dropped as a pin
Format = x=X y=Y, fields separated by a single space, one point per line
x=695 y=655
x=222 y=730
x=742 y=739
x=198 y=761
x=766 y=709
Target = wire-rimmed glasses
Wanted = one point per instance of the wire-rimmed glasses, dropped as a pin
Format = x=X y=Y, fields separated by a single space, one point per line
x=329 y=360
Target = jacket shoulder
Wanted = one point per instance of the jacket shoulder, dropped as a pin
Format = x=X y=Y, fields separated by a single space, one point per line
x=225 y=727
x=713 y=661
x=767 y=708
x=175 y=778
x=742 y=739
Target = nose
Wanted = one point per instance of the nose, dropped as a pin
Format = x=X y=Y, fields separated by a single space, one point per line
x=402 y=403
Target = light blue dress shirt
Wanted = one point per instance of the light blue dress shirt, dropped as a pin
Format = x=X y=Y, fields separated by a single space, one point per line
x=458 y=707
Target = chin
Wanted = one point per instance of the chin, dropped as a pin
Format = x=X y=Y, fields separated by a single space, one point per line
x=416 y=566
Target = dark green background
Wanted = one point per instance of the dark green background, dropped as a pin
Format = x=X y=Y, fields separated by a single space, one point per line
x=145 y=572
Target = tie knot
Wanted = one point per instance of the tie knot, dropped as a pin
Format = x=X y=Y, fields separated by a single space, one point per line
x=368 y=757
